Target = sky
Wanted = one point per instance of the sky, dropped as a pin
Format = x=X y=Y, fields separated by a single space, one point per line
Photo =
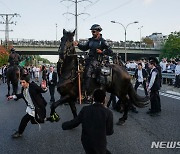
x=39 y=18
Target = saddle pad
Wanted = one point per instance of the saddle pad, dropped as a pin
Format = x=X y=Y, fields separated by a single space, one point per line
x=105 y=71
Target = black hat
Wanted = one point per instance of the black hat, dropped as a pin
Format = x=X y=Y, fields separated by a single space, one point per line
x=140 y=64
x=96 y=27
x=99 y=95
x=25 y=77
x=12 y=49
x=153 y=59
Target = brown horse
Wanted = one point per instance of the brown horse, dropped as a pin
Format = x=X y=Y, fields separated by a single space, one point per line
x=13 y=76
x=68 y=81
x=120 y=86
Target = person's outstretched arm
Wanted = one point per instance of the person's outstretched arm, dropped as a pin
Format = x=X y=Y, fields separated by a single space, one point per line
x=73 y=123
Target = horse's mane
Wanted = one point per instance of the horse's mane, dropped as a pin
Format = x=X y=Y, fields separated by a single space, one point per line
x=70 y=61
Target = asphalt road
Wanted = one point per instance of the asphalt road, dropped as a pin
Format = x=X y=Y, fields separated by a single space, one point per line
x=135 y=137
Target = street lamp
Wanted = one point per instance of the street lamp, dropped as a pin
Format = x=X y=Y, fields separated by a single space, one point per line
x=140 y=35
x=125 y=31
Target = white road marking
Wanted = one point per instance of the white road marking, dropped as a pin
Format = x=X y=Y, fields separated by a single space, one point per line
x=167 y=94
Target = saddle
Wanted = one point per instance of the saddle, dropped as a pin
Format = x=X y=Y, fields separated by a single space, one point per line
x=106 y=75
x=101 y=71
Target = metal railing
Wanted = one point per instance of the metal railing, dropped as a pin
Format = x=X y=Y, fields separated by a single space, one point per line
x=53 y=43
x=164 y=75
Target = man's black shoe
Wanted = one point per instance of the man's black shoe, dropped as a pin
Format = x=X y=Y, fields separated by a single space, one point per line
x=134 y=111
x=16 y=135
x=154 y=114
x=149 y=112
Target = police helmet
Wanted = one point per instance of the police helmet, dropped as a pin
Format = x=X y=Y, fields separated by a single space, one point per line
x=12 y=49
x=96 y=27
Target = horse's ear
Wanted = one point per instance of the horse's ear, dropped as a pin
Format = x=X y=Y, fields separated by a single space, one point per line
x=64 y=31
x=74 y=32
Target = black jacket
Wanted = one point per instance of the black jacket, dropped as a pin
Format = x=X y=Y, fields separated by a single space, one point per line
x=157 y=82
x=97 y=122
x=144 y=73
x=54 y=79
x=44 y=74
x=14 y=59
x=37 y=99
x=93 y=44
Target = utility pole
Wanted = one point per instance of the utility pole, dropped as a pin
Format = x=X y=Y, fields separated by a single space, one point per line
x=56 y=34
x=76 y=14
x=7 y=20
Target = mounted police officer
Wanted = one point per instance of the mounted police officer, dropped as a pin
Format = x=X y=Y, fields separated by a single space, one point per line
x=14 y=58
x=97 y=47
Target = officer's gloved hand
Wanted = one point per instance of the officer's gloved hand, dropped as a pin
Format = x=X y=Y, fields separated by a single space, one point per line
x=99 y=51
x=75 y=43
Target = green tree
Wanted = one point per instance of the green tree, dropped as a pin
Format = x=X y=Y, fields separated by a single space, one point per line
x=171 y=48
x=43 y=59
x=4 y=55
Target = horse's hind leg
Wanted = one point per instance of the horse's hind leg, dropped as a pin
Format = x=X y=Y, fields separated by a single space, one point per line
x=125 y=115
x=73 y=108
x=15 y=88
x=8 y=84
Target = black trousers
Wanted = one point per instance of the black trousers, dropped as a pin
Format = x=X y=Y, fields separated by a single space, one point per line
x=24 y=122
x=155 y=101
x=95 y=150
x=177 y=81
x=51 y=91
x=144 y=86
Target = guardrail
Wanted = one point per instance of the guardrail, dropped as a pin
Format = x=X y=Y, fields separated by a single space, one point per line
x=164 y=75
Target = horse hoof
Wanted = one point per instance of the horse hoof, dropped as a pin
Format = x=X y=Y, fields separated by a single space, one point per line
x=50 y=119
x=54 y=117
x=7 y=95
x=120 y=122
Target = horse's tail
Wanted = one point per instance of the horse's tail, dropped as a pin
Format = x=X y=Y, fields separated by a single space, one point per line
x=137 y=100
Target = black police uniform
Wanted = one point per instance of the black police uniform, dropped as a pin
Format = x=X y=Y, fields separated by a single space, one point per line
x=14 y=58
x=93 y=44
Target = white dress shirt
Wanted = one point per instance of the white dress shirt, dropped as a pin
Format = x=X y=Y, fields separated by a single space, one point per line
x=50 y=76
x=140 y=76
x=177 y=70
x=153 y=77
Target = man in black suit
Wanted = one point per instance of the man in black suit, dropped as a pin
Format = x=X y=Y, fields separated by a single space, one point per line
x=36 y=111
x=154 y=87
x=97 y=122
x=141 y=76
x=52 y=81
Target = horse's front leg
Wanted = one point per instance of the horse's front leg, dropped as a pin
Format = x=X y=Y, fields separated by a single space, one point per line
x=53 y=115
x=73 y=108
x=61 y=101
x=15 y=88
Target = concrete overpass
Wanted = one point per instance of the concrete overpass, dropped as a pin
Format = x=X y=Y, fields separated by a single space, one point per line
x=132 y=53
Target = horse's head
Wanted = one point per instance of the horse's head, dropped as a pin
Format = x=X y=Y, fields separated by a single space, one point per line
x=66 y=45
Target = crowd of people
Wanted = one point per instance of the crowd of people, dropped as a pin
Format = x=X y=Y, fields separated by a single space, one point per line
x=171 y=66
x=3 y=71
